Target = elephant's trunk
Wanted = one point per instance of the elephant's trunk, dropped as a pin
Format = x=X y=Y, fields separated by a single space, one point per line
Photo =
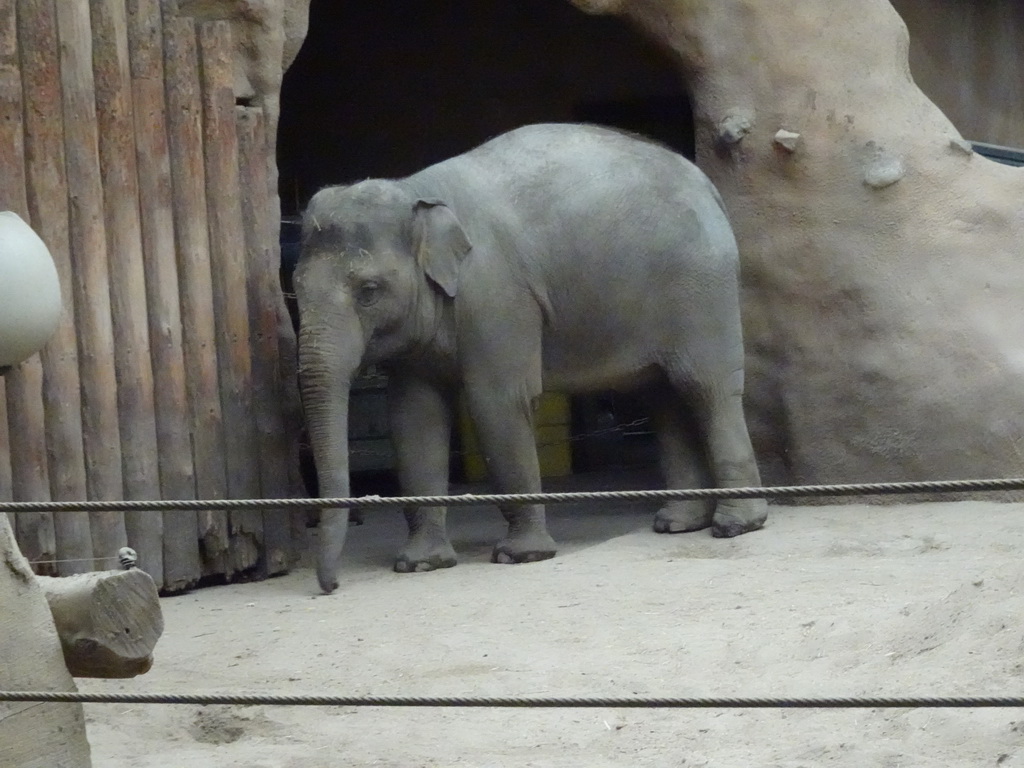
x=327 y=365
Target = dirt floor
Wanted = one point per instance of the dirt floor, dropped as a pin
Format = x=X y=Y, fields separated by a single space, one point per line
x=914 y=600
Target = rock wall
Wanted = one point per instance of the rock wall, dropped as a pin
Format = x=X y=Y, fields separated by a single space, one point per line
x=884 y=290
x=31 y=660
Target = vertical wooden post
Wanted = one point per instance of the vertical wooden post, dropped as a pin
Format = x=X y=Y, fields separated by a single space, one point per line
x=6 y=483
x=27 y=423
x=6 y=489
x=264 y=298
x=199 y=338
x=24 y=384
x=48 y=209
x=90 y=277
x=119 y=171
x=227 y=248
x=177 y=479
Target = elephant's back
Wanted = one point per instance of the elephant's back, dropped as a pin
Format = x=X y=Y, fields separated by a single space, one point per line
x=606 y=186
x=624 y=243
x=569 y=154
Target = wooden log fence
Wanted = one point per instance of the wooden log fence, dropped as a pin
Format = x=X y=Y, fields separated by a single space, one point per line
x=24 y=385
x=199 y=336
x=90 y=277
x=122 y=145
x=48 y=206
x=177 y=475
x=10 y=78
x=266 y=309
x=6 y=485
x=132 y=362
x=230 y=296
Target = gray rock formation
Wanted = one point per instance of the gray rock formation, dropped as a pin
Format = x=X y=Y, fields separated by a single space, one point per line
x=884 y=320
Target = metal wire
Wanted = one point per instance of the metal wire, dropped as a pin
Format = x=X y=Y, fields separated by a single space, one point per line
x=526 y=702
x=471 y=499
x=624 y=429
x=72 y=560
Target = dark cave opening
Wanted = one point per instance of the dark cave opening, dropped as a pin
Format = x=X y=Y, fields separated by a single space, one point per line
x=384 y=88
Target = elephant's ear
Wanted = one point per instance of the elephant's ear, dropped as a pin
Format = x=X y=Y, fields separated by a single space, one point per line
x=440 y=243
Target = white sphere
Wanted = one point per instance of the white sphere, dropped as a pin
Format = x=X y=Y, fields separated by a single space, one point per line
x=30 y=303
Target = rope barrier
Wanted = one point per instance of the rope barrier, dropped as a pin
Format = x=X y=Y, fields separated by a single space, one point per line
x=528 y=702
x=940 y=486
x=471 y=499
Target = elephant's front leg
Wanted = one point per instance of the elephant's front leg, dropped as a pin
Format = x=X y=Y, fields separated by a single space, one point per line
x=420 y=417
x=504 y=426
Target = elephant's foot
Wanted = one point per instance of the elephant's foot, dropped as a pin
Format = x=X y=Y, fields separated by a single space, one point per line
x=423 y=554
x=735 y=516
x=524 y=547
x=683 y=516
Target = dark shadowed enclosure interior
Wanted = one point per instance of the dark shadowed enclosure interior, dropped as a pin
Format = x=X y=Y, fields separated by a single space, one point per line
x=384 y=88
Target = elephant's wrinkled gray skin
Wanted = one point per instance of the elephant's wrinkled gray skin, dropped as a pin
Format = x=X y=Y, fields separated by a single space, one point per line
x=555 y=257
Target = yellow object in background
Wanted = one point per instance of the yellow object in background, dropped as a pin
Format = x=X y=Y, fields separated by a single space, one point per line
x=552 y=426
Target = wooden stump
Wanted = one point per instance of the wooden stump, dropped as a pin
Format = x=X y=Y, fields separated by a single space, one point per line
x=108 y=621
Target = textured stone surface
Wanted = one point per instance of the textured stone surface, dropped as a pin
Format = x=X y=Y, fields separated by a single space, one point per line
x=33 y=735
x=885 y=325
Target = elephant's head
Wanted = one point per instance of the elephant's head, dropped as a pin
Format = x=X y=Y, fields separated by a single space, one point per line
x=378 y=264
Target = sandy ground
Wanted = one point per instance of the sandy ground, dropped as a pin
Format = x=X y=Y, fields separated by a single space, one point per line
x=826 y=601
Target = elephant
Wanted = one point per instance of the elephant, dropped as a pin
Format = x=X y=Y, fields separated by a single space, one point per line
x=555 y=257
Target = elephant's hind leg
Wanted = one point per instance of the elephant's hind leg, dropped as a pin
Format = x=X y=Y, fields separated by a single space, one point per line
x=716 y=398
x=718 y=407
x=420 y=419
x=684 y=465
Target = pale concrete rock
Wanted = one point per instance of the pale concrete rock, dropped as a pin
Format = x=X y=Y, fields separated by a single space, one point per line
x=788 y=140
x=881 y=167
x=961 y=145
x=33 y=735
x=734 y=127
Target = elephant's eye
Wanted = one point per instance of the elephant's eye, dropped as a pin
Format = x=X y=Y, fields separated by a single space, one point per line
x=368 y=293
